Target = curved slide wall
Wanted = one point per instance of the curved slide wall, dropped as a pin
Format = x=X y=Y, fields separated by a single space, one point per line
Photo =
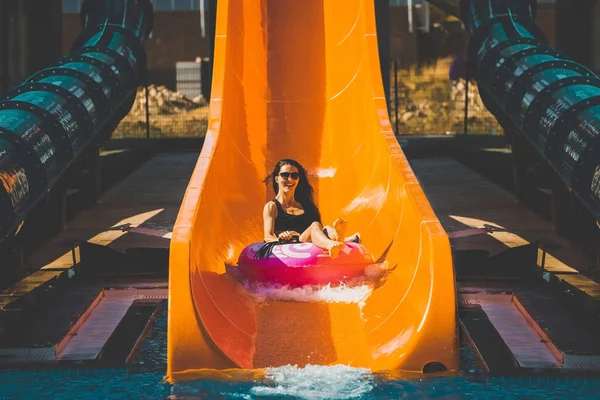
x=301 y=80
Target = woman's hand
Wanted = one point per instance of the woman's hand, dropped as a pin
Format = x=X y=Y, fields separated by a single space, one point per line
x=288 y=235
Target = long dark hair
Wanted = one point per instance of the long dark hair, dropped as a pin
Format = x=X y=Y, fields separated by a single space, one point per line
x=304 y=193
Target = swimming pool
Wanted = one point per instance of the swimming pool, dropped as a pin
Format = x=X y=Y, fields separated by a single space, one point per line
x=144 y=381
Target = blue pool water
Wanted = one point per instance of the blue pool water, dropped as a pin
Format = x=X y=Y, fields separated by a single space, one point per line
x=144 y=381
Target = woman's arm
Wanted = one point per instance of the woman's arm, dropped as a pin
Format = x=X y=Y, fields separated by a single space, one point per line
x=269 y=215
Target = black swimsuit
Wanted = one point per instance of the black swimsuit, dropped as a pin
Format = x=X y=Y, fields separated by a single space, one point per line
x=290 y=222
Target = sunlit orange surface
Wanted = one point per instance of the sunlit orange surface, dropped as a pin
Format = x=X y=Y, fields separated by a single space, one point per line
x=301 y=79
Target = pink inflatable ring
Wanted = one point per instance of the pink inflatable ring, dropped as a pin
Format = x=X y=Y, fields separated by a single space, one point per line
x=299 y=264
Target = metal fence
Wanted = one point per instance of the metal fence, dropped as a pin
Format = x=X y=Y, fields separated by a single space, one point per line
x=425 y=101
x=173 y=101
x=159 y=112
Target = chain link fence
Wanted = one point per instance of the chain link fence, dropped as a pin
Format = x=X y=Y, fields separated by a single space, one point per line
x=424 y=100
x=173 y=102
x=159 y=112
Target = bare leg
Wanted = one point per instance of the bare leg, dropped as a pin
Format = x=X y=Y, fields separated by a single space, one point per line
x=314 y=234
x=340 y=227
x=330 y=232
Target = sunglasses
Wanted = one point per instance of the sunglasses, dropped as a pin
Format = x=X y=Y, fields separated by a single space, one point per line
x=286 y=175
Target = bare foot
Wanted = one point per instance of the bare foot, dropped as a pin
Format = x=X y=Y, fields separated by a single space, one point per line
x=340 y=226
x=335 y=248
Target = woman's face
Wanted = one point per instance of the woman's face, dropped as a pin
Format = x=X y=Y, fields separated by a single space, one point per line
x=287 y=179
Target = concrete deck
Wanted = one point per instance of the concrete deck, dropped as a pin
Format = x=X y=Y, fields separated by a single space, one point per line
x=148 y=198
x=539 y=329
x=464 y=199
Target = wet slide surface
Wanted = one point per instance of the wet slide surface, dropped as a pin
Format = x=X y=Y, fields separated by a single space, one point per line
x=302 y=80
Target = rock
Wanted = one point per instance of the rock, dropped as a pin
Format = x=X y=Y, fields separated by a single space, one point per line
x=200 y=100
x=163 y=101
x=407 y=115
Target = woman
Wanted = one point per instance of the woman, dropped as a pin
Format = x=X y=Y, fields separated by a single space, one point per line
x=293 y=211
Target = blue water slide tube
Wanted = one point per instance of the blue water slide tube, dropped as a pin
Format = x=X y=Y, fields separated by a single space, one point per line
x=60 y=112
x=534 y=91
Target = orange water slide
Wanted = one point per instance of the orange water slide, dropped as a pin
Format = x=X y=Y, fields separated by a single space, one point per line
x=301 y=79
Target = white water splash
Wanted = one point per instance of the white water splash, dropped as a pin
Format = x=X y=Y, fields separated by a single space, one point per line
x=310 y=293
x=356 y=290
x=316 y=382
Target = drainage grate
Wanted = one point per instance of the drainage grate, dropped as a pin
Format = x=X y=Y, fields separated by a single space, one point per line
x=465 y=302
x=148 y=285
x=156 y=297
x=583 y=367
x=25 y=359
